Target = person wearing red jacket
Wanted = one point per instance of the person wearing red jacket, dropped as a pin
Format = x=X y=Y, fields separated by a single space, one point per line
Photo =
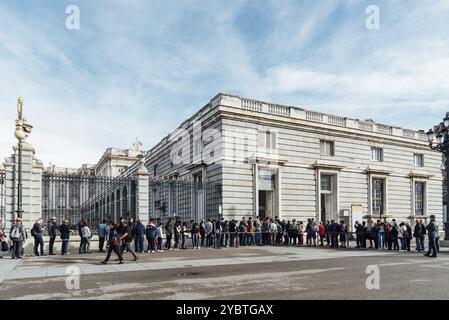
x=322 y=233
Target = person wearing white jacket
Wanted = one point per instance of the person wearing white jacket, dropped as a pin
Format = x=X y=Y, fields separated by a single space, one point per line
x=401 y=235
x=86 y=235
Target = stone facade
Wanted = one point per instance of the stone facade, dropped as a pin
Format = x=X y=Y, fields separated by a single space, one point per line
x=275 y=160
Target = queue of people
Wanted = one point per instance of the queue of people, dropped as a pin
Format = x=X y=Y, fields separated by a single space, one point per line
x=128 y=236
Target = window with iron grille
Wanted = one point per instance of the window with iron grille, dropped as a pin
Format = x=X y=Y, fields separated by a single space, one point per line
x=419 y=198
x=377 y=196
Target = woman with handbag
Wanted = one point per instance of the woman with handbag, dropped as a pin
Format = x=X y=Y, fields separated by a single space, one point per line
x=113 y=244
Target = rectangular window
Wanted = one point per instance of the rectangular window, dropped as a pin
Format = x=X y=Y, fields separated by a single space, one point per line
x=418 y=160
x=377 y=196
x=266 y=140
x=419 y=198
x=155 y=170
x=376 y=154
x=327 y=148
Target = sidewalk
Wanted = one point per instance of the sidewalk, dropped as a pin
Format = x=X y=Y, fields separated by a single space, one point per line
x=56 y=266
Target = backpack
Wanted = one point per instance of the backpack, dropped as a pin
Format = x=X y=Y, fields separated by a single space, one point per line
x=15 y=233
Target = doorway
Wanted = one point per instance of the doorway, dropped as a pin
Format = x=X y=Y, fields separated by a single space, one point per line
x=328 y=197
x=265 y=204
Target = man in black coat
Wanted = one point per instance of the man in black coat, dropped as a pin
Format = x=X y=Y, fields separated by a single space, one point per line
x=52 y=234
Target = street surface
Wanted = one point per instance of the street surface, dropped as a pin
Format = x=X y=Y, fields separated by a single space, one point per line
x=230 y=273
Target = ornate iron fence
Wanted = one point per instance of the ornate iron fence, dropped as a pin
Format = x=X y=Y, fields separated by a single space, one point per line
x=93 y=198
x=184 y=200
x=2 y=196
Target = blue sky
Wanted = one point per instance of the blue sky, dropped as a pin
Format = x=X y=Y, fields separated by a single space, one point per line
x=139 y=68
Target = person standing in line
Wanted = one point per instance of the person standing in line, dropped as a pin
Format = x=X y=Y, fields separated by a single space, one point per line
x=183 y=233
x=36 y=232
x=322 y=233
x=195 y=232
x=168 y=234
x=273 y=231
x=151 y=235
x=242 y=229
x=208 y=230
x=86 y=235
x=358 y=234
x=343 y=231
x=140 y=236
x=64 y=230
x=401 y=236
x=18 y=235
x=395 y=235
x=381 y=235
x=114 y=244
x=176 y=234
x=159 y=237
x=389 y=236
x=301 y=233
x=226 y=234
x=334 y=230
x=102 y=235
x=217 y=235
x=294 y=232
x=417 y=231
x=52 y=234
x=202 y=232
x=81 y=246
x=308 y=233
x=424 y=232
x=408 y=236
x=432 y=233
x=232 y=233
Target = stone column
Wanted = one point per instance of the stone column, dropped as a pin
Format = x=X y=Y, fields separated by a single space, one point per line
x=142 y=194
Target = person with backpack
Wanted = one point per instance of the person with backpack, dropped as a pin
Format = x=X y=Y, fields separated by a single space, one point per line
x=151 y=235
x=102 y=232
x=86 y=235
x=52 y=234
x=114 y=244
x=36 y=232
x=64 y=230
x=18 y=235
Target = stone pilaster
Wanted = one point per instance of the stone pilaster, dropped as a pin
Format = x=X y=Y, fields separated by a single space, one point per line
x=142 y=193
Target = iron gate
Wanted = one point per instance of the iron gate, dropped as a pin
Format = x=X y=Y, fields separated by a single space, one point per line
x=93 y=198
x=179 y=200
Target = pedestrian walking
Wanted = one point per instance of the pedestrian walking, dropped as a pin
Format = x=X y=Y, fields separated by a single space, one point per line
x=18 y=235
x=36 y=232
x=124 y=232
x=64 y=230
x=52 y=235
x=114 y=244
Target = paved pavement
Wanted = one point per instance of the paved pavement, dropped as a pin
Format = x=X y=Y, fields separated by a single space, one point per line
x=230 y=273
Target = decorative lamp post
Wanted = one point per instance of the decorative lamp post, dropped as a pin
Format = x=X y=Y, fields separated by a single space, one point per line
x=22 y=131
x=439 y=140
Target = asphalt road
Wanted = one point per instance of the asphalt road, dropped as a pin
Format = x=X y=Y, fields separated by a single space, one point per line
x=255 y=273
